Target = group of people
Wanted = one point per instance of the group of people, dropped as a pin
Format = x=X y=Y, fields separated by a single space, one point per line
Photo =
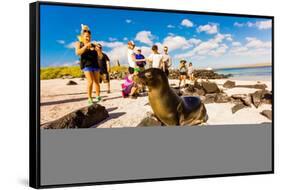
x=137 y=63
x=96 y=65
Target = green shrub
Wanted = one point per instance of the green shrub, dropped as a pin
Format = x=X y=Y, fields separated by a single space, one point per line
x=58 y=72
x=74 y=71
x=118 y=69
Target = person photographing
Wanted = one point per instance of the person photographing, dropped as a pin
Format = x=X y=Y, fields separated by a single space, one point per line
x=88 y=62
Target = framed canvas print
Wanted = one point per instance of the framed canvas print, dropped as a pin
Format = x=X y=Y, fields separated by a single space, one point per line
x=121 y=94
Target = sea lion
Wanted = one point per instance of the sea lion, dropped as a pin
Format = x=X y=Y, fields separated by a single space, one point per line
x=167 y=106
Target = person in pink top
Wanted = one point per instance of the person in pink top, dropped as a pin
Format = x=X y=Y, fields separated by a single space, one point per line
x=129 y=87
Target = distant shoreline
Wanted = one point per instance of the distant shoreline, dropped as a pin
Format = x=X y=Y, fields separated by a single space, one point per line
x=245 y=66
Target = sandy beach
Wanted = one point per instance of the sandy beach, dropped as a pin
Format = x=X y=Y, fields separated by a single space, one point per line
x=58 y=99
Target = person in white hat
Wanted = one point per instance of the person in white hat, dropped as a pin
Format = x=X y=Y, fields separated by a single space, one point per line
x=132 y=58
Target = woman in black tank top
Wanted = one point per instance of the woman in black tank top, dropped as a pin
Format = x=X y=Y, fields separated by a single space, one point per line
x=89 y=64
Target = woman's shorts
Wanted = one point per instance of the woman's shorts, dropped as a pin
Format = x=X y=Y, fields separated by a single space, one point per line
x=91 y=69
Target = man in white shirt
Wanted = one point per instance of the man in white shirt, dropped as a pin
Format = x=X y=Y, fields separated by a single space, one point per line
x=155 y=59
x=167 y=60
x=132 y=58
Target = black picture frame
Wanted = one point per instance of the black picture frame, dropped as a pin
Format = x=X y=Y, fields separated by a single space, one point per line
x=34 y=96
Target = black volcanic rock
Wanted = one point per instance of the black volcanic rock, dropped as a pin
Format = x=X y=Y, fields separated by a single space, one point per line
x=210 y=87
x=237 y=107
x=229 y=84
x=149 y=122
x=201 y=74
x=261 y=96
x=222 y=98
x=244 y=98
x=81 y=118
x=267 y=114
x=257 y=86
x=71 y=82
x=209 y=98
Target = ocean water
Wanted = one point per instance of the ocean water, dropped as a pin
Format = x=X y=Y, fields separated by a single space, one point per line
x=254 y=73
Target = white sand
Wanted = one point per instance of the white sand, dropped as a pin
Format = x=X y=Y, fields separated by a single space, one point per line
x=58 y=99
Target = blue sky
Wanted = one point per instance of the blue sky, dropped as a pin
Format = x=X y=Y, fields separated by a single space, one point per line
x=206 y=40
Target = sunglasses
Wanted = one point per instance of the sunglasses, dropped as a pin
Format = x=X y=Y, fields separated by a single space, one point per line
x=88 y=31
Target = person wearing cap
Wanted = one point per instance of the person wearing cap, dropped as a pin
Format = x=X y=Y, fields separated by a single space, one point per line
x=155 y=58
x=183 y=72
x=89 y=63
x=104 y=64
x=140 y=56
x=132 y=58
x=167 y=60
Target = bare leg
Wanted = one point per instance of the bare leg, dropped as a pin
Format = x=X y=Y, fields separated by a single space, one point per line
x=133 y=91
x=89 y=77
x=96 y=77
x=108 y=86
x=184 y=80
x=180 y=82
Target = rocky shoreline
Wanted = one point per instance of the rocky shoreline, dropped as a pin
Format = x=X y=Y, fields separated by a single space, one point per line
x=174 y=74
x=209 y=92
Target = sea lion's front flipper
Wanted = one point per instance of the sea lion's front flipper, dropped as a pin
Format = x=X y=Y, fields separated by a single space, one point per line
x=191 y=111
x=182 y=114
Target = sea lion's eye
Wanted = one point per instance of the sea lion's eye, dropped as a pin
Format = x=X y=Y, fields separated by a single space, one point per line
x=148 y=75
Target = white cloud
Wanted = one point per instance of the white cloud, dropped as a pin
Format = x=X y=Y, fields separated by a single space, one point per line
x=179 y=42
x=208 y=28
x=236 y=44
x=170 y=26
x=212 y=47
x=256 y=43
x=238 y=50
x=219 y=51
x=250 y=24
x=71 y=45
x=128 y=21
x=145 y=37
x=186 y=23
x=228 y=37
x=252 y=47
x=110 y=44
x=194 y=41
x=261 y=25
x=238 y=24
x=112 y=39
x=61 y=42
x=118 y=53
x=125 y=39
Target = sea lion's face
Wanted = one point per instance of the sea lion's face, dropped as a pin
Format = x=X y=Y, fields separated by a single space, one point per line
x=152 y=77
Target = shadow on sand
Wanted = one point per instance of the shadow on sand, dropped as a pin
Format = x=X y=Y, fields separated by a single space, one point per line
x=111 y=116
x=65 y=101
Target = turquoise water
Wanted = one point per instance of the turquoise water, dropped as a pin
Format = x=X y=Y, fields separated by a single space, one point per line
x=256 y=73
